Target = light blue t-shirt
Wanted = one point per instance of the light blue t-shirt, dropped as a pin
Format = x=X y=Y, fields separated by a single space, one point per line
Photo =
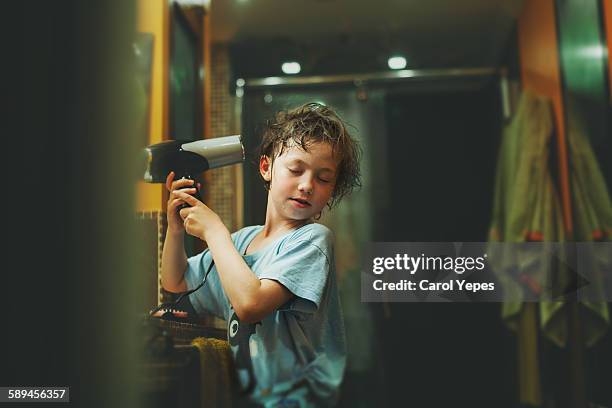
x=298 y=352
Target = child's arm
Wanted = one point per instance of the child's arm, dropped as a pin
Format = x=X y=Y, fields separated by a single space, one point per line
x=251 y=298
x=174 y=263
x=174 y=259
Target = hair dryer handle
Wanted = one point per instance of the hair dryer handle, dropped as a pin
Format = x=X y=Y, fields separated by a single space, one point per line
x=197 y=194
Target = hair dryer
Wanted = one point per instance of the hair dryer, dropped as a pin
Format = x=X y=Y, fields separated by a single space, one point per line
x=188 y=159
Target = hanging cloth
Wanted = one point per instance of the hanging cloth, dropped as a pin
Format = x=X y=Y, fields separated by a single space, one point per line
x=218 y=382
x=592 y=222
x=526 y=204
x=527 y=208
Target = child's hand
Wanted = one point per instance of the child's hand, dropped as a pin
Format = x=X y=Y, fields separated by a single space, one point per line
x=198 y=219
x=175 y=223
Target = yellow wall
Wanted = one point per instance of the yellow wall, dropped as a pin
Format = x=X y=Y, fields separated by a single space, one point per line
x=154 y=17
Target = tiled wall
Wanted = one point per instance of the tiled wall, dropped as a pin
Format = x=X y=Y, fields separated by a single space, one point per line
x=153 y=230
x=225 y=188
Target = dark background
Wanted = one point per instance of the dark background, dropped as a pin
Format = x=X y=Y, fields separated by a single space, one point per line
x=68 y=279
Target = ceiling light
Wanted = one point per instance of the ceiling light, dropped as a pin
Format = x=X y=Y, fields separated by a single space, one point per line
x=397 y=62
x=291 y=68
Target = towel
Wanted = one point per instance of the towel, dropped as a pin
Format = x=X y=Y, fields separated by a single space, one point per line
x=527 y=208
x=216 y=370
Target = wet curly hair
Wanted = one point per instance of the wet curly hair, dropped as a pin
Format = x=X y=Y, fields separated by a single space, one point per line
x=315 y=123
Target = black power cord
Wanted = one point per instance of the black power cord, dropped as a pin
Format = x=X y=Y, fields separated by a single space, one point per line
x=174 y=310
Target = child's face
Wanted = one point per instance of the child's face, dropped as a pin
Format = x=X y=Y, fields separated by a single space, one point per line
x=301 y=182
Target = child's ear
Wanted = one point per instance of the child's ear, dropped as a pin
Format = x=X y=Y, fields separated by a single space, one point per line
x=265 y=168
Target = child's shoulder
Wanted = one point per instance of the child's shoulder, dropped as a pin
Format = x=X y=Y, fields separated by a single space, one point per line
x=317 y=234
x=246 y=229
x=245 y=232
x=304 y=232
x=312 y=231
x=311 y=234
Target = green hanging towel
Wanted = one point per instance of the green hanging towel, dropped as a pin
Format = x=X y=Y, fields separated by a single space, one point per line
x=525 y=209
x=526 y=205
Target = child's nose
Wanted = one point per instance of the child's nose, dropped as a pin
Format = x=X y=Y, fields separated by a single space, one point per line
x=306 y=185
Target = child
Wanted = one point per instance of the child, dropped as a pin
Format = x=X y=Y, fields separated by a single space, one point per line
x=275 y=283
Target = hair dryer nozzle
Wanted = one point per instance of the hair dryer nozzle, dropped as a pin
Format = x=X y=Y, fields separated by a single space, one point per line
x=191 y=158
